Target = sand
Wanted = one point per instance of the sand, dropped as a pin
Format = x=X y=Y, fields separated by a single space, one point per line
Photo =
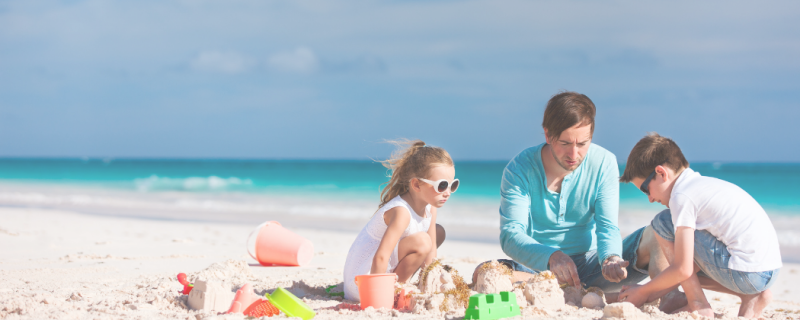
x=67 y=265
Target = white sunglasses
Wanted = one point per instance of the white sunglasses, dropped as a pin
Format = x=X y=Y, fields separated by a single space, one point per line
x=442 y=185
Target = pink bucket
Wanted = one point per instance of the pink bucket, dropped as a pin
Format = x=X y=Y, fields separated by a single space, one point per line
x=272 y=244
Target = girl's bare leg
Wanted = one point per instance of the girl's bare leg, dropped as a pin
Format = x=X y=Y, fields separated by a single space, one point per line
x=412 y=251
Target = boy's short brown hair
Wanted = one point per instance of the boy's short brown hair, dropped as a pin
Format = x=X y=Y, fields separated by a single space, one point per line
x=651 y=151
x=565 y=110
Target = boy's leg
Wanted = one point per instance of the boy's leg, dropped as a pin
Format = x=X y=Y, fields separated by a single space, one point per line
x=752 y=287
x=411 y=252
x=656 y=258
x=752 y=304
x=695 y=298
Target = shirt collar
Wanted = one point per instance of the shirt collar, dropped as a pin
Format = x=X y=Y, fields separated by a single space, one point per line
x=686 y=175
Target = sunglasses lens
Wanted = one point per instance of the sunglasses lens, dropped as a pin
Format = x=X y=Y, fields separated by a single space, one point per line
x=442 y=186
x=454 y=187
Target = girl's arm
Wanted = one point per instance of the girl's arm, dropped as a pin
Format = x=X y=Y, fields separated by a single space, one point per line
x=432 y=233
x=680 y=269
x=397 y=220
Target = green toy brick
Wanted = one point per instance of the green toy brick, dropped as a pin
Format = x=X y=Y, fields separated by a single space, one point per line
x=492 y=306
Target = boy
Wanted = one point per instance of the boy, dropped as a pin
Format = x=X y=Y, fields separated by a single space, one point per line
x=714 y=234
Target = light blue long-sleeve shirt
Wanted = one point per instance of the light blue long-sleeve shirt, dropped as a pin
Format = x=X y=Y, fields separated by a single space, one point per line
x=536 y=222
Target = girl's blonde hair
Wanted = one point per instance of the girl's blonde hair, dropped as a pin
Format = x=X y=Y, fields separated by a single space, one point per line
x=412 y=159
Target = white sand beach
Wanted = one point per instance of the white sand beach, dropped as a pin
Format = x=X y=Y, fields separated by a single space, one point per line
x=65 y=265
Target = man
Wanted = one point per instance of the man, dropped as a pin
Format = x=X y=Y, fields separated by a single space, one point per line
x=559 y=207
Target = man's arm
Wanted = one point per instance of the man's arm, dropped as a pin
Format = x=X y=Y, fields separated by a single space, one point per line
x=515 y=206
x=606 y=211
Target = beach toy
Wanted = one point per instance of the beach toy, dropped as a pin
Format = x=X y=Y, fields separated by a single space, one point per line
x=334 y=294
x=244 y=299
x=290 y=305
x=261 y=308
x=272 y=244
x=492 y=306
x=404 y=299
x=376 y=290
x=187 y=287
x=210 y=296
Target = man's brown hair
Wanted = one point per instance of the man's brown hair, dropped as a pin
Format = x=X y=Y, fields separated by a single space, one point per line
x=651 y=151
x=565 y=110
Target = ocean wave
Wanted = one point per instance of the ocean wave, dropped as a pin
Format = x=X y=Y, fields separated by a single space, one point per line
x=211 y=183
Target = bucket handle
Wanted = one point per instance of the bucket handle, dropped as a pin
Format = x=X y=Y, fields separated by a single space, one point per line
x=255 y=232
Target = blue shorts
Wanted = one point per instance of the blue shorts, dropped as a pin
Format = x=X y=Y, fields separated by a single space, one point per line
x=712 y=256
x=590 y=272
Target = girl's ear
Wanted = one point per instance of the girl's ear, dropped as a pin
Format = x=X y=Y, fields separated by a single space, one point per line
x=414 y=185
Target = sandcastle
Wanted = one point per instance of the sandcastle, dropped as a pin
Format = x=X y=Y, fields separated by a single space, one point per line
x=210 y=296
x=493 y=277
x=542 y=290
x=592 y=298
x=440 y=288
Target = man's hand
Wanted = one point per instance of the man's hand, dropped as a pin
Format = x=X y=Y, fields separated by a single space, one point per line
x=564 y=268
x=614 y=269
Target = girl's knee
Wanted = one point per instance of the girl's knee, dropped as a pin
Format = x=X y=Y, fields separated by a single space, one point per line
x=418 y=243
x=440 y=235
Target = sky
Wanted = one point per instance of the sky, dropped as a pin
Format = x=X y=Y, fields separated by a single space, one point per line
x=334 y=80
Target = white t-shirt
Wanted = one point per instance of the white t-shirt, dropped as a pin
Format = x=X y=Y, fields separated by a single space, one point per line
x=731 y=215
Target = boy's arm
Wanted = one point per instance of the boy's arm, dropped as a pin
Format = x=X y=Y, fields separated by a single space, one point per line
x=432 y=234
x=680 y=269
x=515 y=206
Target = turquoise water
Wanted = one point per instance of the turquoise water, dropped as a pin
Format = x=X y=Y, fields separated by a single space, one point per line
x=774 y=185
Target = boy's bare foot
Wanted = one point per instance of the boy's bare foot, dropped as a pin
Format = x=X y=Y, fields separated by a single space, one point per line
x=752 y=305
x=673 y=301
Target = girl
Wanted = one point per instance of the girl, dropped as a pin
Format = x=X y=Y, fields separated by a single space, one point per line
x=402 y=235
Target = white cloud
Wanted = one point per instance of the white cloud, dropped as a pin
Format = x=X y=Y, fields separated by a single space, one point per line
x=222 y=62
x=301 y=60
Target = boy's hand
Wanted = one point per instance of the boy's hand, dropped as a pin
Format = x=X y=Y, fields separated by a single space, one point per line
x=633 y=294
x=564 y=268
x=614 y=269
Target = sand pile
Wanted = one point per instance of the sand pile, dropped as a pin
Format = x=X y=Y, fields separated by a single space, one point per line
x=543 y=291
x=440 y=289
x=493 y=277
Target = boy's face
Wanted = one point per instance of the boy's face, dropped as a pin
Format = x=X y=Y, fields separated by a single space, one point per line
x=660 y=186
x=570 y=148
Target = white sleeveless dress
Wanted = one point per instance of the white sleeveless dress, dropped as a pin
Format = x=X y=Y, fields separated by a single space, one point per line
x=359 y=259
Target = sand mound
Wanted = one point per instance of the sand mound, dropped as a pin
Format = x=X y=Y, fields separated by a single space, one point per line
x=441 y=289
x=493 y=277
x=623 y=310
x=543 y=291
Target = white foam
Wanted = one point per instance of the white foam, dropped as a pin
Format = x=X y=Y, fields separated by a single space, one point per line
x=211 y=183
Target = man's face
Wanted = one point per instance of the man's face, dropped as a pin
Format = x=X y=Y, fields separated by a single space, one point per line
x=570 y=148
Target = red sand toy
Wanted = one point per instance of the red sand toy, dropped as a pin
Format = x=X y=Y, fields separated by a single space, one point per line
x=187 y=287
x=244 y=299
x=261 y=308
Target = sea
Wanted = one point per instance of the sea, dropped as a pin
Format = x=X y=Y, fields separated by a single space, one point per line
x=337 y=194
